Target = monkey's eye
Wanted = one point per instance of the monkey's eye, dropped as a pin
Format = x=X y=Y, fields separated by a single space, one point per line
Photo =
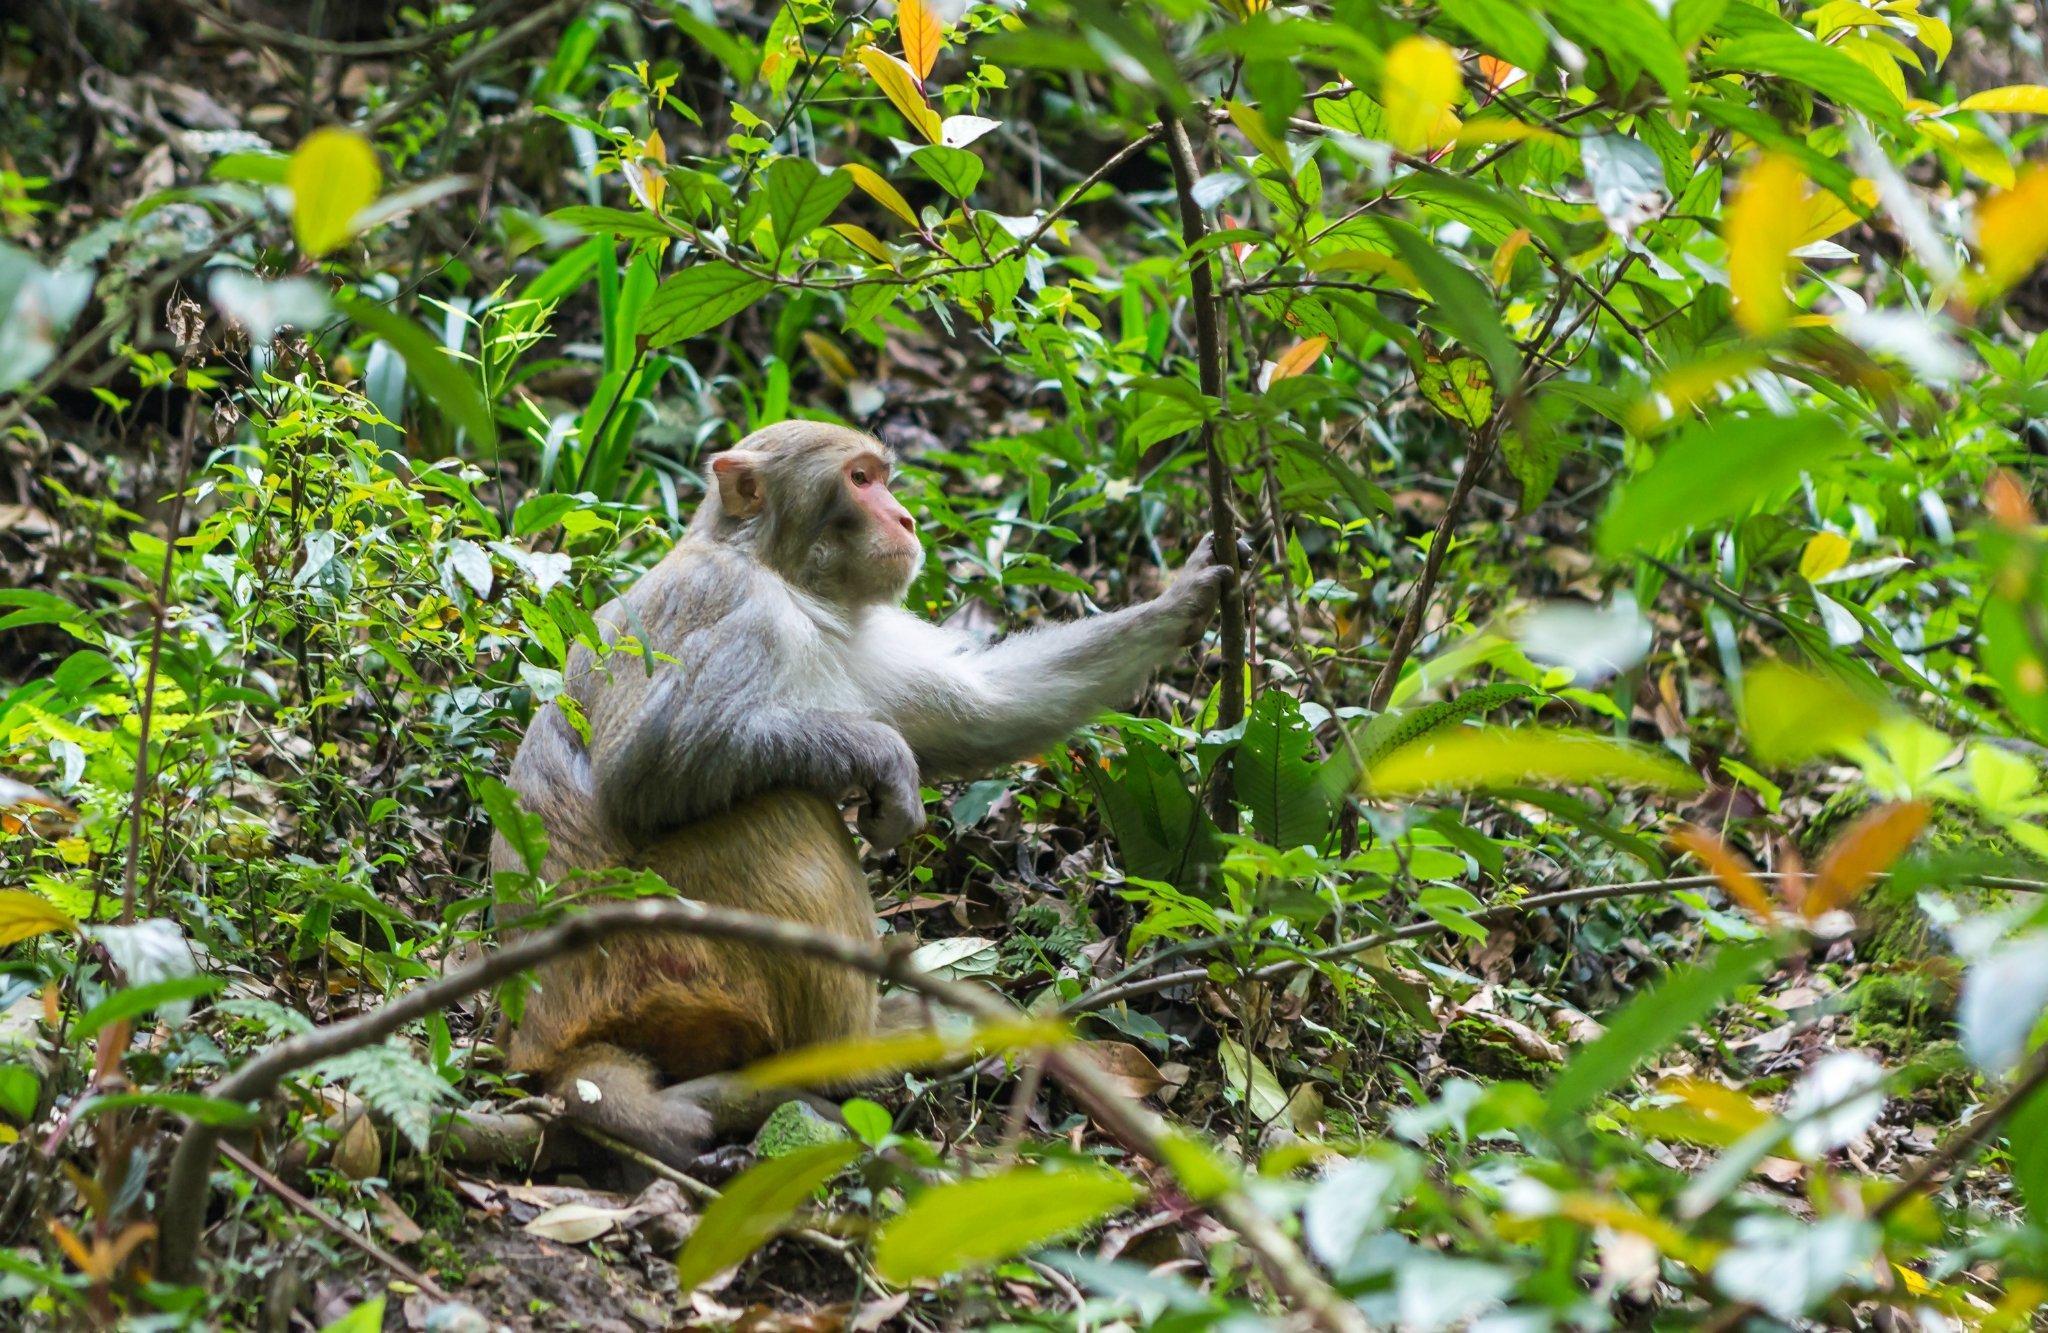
x=860 y=476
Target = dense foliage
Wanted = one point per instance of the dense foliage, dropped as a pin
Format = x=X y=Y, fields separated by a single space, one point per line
x=1587 y=878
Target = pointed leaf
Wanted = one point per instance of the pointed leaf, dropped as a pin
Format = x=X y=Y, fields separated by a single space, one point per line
x=332 y=176
x=899 y=85
x=922 y=35
x=757 y=1205
x=696 y=300
x=880 y=191
x=1763 y=227
x=1868 y=848
x=25 y=915
x=1419 y=84
x=969 y=1224
x=445 y=382
x=1712 y=472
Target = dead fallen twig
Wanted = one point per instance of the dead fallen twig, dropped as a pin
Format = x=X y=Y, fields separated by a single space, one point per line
x=333 y=1224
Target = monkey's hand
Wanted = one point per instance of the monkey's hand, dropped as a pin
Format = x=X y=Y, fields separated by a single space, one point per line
x=892 y=809
x=1190 y=600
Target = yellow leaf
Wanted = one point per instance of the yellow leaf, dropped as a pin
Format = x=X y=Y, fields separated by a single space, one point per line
x=880 y=191
x=2021 y=99
x=1504 y=258
x=1297 y=359
x=1824 y=554
x=1366 y=261
x=1418 y=85
x=899 y=85
x=864 y=240
x=1762 y=229
x=836 y=1062
x=1499 y=129
x=333 y=176
x=1724 y=865
x=1469 y=757
x=2012 y=230
x=1790 y=715
x=1869 y=848
x=1253 y=127
x=25 y=915
x=923 y=35
x=1826 y=214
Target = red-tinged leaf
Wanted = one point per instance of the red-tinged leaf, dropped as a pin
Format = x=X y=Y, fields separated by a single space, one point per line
x=1726 y=866
x=1869 y=848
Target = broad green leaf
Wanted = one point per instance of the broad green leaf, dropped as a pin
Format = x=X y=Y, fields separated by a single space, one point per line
x=1652 y=1021
x=697 y=300
x=1276 y=775
x=332 y=176
x=2026 y=1139
x=137 y=1000
x=1461 y=300
x=25 y=915
x=755 y=1206
x=955 y=169
x=899 y=84
x=1795 y=56
x=1763 y=226
x=1712 y=472
x=1630 y=34
x=597 y=221
x=191 y=1105
x=1161 y=831
x=1391 y=731
x=1419 y=84
x=1469 y=758
x=447 y=384
x=969 y=1224
x=1790 y=715
x=1503 y=27
x=20 y=1089
x=844 y=1061
x=800 y=198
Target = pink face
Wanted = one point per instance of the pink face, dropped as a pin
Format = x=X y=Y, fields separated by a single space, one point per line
x=867 y=481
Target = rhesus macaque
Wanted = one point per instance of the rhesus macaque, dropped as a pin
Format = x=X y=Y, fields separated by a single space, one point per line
x=761 y=672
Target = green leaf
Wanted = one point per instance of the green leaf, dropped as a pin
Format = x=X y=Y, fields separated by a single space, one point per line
x=1390 y=731
x=521 y=829
x=757 y=1205
x=1161 y=830
x=972 y=1223
x=19 y=1091
x=801 y=197
x=538 y=513
x=1792 y=55
x=333 y=176
x=1276 y=777
x=140 y=999
x=1652 y=1021
x=1495 y=756
x=698 y=299
x=1504 y=28
x=1462 y=301
x=191 y=1105
x=2026 y=1140
x=1791 y=715
x=1630 y=34
x=365 y=1318
x=1712 y=472
x=446 y=384
x=599 y=221
x=955 y=169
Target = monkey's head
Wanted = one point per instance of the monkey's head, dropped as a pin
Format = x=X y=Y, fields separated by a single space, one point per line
x=812 y=501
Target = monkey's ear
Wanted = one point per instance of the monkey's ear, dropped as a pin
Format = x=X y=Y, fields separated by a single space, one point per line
x=740 y=490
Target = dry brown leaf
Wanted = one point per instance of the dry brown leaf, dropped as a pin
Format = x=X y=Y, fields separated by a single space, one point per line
x=1130 y=1068
x=1868 y=849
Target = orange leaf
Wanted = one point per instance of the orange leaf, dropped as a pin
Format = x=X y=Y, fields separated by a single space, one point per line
x=922 y=33
x=1727 y=867
x=2006 y=501
x=1298 y=358
x=1864 y=852
x=1498 y=73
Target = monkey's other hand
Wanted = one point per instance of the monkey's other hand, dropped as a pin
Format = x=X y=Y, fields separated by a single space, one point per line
x=892 y=808
x=1192 y=596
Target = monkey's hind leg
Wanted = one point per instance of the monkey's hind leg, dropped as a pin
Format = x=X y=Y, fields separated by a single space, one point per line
x=616 y=1093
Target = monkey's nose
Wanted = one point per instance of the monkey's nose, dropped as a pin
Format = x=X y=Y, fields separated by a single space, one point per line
x=907 y=525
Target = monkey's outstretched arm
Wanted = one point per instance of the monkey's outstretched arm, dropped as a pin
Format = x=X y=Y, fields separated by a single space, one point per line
x=980 y=709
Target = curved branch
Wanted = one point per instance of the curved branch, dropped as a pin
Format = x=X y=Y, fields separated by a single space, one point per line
x=182 y=1211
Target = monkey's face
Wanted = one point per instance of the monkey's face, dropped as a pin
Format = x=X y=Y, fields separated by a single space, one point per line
x=872 y=540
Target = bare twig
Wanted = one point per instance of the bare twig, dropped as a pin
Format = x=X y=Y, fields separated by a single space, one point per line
x=1119 y=991
x=333 y=1224
x=1476 y=458
x=1222 y=518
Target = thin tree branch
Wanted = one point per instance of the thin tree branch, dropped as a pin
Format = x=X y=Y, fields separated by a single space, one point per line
x=182 y=1210
x=1957 y=1147
x=1477 y=456
x=1222 y=518
x=333 y=1224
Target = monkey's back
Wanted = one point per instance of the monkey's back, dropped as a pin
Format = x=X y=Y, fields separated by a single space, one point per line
x=695 y=1007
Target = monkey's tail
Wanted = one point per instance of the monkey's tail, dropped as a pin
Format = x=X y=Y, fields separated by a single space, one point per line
x=617 y=1093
